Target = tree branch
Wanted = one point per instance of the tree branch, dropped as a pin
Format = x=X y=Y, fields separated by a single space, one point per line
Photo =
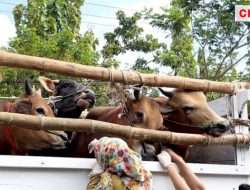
x=226 y=56
x=233 y=65
x=204 y=56
x=242 y=45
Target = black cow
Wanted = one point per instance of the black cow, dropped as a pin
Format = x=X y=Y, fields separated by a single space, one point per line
x=69 y=98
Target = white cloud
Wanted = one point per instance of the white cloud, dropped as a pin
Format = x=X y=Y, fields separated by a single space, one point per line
x=7 y=30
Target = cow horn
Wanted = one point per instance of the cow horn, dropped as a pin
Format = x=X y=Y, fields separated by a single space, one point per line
x=28 y=89
x=137 y=91
x=166 y=93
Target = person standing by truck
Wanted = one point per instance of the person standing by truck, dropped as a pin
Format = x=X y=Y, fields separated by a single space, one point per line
x=118 y=167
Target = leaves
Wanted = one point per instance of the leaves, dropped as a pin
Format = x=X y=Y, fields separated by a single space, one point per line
x=48 y=28
x=129 y=37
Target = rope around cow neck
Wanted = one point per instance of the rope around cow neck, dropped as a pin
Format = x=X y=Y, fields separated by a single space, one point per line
x=206 y=126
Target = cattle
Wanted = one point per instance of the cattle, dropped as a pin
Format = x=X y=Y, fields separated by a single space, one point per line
x=68 y=99
x=17 y=140
x=71 y=97
x=138 y=111
x=187 y=111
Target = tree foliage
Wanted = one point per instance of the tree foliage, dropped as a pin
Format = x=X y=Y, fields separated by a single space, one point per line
x=48 y=28
x=129 y=37
x=48 y=16
x=203 y=39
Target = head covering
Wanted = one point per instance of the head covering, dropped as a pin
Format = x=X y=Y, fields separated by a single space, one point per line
x=115 y=157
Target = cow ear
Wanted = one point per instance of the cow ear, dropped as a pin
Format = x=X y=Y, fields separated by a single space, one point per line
x=163 y=104
x=47 y=83
x=129 y=93
x=161 y=101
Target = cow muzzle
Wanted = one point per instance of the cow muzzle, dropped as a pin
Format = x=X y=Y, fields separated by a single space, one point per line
x=86 y=99
x=218 y=129
x=147 y=151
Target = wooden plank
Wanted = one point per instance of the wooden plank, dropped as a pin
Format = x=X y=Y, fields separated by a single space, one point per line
x=212 y=154
x=99 y=127
x=106 y=74
x=224 y=154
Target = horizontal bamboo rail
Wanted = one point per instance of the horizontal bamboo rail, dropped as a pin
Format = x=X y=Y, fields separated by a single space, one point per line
x=126 y=77
x=46 y=123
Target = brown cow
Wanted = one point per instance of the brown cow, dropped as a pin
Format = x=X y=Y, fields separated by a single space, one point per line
x=187 y=111
x=17 y=140
x=143 y=112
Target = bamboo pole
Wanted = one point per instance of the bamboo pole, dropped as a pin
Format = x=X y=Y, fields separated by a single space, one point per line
x=49 y=123
x=126 y=77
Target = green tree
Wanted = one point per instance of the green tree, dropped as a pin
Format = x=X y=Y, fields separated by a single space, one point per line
x=207 y=28
x=203 y=39
x=48 y=28
x=48 y=16
x=129 y=37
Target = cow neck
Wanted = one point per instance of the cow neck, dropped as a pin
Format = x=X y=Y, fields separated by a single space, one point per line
x=7 y=135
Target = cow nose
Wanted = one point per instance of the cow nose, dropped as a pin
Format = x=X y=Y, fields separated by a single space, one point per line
x=90 y=95
x=224 y=126
x=86 y=91
x=89 y=92
x=218 y=129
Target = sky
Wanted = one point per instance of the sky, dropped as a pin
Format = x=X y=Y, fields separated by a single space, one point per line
x=92 y=11
x=100 y=17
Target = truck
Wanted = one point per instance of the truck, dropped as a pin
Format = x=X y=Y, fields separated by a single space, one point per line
x=226 y=170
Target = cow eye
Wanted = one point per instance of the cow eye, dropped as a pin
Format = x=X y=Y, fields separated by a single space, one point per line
x=40 y=111
x=188 y=109
x=139 y=114
x=65 y=85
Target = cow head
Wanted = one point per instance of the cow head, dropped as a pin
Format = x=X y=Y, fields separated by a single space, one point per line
x=191 y=107
x=75 y=97
x=32 y=103
x=144 y=113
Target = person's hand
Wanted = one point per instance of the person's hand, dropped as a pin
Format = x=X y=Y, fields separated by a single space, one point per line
x=175 y=157
x=164 y=159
